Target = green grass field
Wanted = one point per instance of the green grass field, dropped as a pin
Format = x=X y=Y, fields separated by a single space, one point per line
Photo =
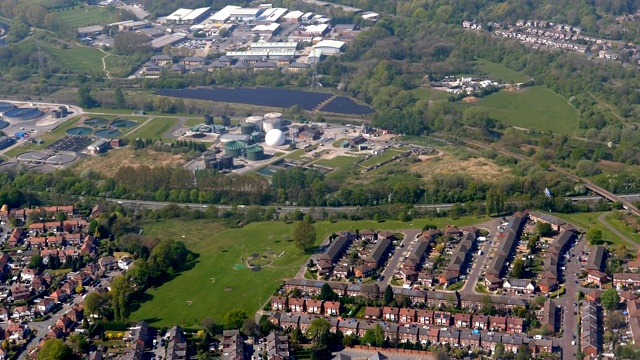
x=86 y=16
x=533 y=108
x=337 y=162
x=499 y=72
x=154 y=129
x=585 y=221
x=78 y=58
x=214 y=286
x=622 y=227
x=430 y=94
x=376 y=159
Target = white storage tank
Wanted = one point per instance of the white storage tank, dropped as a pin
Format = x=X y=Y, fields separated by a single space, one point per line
x=270 y=124
x=273 y=116
x=256 y=120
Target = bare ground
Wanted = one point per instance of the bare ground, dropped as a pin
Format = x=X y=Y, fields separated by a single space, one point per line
x=478 y=168
x=110 y=162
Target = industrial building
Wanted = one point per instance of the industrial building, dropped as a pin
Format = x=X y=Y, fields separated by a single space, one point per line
x=90 y=30
x=187 y=16
x=271 y=15
x=234 y=137
x=245 y=14
x=223 y=14
x=172 y=39
x=329 y=47
x=98 y=147
x=6 y=141
x=273 y=46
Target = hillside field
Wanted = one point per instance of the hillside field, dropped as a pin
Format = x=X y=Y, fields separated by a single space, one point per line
x=214 y=286
x=534 y=107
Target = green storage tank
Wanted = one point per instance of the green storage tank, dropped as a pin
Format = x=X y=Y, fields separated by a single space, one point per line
x=255 y=153
x=234 y=148
x=257 y=137
x=246 y=128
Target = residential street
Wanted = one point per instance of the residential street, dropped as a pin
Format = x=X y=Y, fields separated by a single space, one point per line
x=569 y=320
x=395 y=260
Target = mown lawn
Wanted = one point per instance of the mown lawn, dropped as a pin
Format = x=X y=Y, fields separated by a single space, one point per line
x=154 y=129
x=87 y=15
x=534 y=107
x=213 y=286
x=499 y=72
x=621 y=226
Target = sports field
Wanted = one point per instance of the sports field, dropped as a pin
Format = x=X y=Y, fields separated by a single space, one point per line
x=153 y=129
x=214 y=286
x=87 y=15
x=532 y=108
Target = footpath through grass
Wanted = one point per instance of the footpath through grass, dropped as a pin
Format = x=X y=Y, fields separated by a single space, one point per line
x=219 y=282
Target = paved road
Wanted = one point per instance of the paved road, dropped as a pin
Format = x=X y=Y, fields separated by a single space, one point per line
x=569 y=318
x=396 y=259
x=603 y=221
x=478 y=264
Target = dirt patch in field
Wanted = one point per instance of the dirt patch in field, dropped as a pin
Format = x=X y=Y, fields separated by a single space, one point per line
x=479 y=168
x=228 y=289
x=110 y=162
x=470 y=99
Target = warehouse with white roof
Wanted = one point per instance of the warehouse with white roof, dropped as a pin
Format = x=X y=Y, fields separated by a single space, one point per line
x=245 y=14
x=224 y=14
x=329 y=47
x=271 y=15
x=187 y=16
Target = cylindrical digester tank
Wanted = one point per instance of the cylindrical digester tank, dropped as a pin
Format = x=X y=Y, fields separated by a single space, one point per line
x=246 y=128
x=227 y=162
x=63 y=110
x=234 y=148
x=257 y=137
x=256 y=120
x=210 y=161
x=56 y=114
x=273 y=116
x=255 y=153
x=226 y=120
x=208 y=119
x=271 y=124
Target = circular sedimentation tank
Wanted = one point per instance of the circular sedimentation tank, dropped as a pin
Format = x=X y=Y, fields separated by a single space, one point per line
x=5 y=106
x=255 y=153
x=23 y=113
x=96 y=122
x=3 y=124
x=246 y=128
x=80 y=130
x=123 y=123
x=107 y=133
x=234 y=148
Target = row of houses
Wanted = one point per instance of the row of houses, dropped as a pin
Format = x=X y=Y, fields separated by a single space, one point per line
x=626 y=280
x=493 y=279
x=62 y=328
x=595 y=265
x=433 y=299
x=459 y=260
x=589 y=329
x=551 y=272
x=69 y=226
x=403 y=315
x=417 y=334
x=37 y=214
